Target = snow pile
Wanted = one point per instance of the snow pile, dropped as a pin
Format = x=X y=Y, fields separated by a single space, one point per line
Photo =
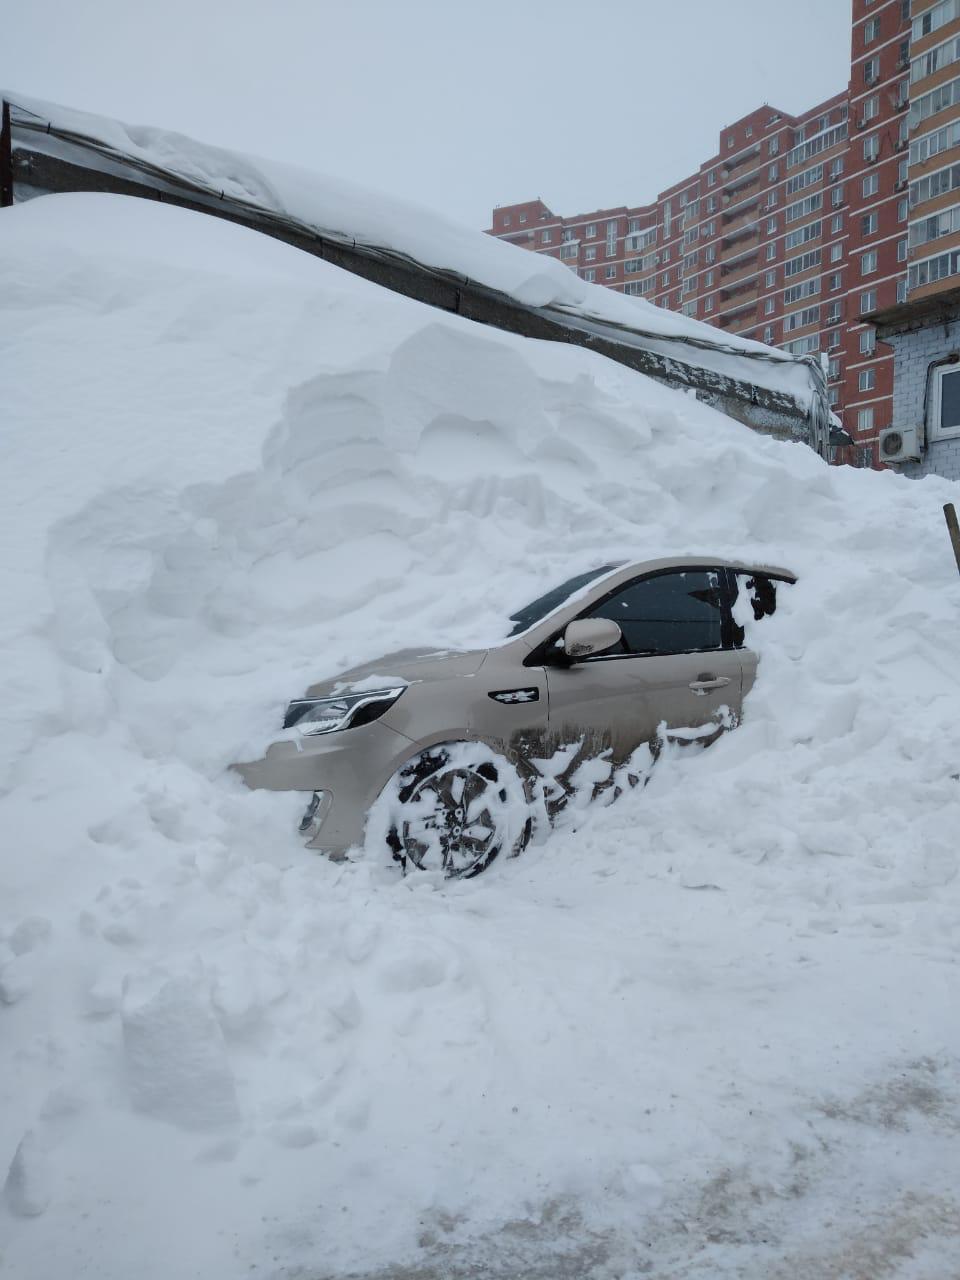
x=346 y=211
x=710 y=1032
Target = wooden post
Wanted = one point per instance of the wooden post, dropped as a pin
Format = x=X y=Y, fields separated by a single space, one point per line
x=950 y=512
x=6 y=159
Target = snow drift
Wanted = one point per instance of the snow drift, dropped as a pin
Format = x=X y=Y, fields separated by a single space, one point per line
x=710 y=1032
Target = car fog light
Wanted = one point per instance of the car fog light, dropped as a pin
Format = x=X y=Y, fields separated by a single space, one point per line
x=315 y=813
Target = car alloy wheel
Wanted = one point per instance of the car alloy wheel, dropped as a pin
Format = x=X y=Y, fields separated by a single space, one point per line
x=460 y=807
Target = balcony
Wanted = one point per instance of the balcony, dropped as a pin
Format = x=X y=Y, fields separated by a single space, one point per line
x=739 y=160
x=745 y=289
x=737 y=268
x=735 y=191
x=739 y=318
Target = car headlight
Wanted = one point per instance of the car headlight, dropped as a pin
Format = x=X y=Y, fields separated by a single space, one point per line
x=311 y=716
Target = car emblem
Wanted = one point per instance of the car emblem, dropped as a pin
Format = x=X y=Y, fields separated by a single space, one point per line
x=516 y=695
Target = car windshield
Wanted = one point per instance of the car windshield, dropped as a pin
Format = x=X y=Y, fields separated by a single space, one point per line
x=545 y=604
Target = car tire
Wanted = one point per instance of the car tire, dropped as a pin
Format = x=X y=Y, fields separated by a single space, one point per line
x=456 y=808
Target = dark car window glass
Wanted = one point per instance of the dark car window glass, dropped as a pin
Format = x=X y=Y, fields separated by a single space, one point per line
x=545 y=604
x=670 y=613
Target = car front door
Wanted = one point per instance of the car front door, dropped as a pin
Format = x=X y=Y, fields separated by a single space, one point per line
x=676 y=664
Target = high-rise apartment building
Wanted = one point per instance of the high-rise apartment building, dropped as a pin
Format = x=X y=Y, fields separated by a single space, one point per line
x=797 y=228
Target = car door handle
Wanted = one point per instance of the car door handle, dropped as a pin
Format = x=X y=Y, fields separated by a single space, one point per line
x=709 y=682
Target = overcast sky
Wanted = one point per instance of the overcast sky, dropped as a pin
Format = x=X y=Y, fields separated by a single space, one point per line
x=457 y=104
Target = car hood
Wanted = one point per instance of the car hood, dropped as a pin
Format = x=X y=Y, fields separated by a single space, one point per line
x=408 y=666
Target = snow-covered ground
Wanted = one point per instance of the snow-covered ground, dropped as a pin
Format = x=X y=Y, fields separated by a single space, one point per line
x=712 y=1032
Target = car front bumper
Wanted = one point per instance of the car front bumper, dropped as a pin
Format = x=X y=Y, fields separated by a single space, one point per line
x=346 y=771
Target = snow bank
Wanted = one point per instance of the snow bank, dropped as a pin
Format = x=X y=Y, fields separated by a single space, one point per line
x=710 y=1032
x=352 y=213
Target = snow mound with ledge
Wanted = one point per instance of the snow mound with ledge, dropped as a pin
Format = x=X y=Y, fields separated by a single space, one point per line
x=710 y=1032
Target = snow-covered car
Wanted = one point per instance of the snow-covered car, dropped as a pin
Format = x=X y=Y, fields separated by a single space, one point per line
x=455 y=755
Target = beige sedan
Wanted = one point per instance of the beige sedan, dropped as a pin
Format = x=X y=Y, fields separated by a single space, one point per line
x=452 y=758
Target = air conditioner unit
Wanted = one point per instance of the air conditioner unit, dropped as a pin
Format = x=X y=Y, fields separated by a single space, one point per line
x=899 y=444
x=862 y=122
x=901 y=185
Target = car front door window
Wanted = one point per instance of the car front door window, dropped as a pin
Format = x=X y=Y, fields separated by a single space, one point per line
x=669 y=613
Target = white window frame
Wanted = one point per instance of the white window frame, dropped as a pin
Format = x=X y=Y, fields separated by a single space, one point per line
x=938 y=432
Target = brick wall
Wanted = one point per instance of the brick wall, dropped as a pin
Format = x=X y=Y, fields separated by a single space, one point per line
x=913 y=354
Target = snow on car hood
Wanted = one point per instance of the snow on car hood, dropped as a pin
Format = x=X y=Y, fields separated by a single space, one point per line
x=712 y=1026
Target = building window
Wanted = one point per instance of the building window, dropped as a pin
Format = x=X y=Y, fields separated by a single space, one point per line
x=871 y=31
x=836 y=252
x=833 y=339
x=903 y=210
x=771 y=252
x=709 y=254
x=871 y=184
x=833 y=369
x=871 y=107
x=836 y=224
x=871 y=147
x=871 y=71
x=836 y=197
x=773 y=146
x=868 y=342
x=591 y=230
x=945 y=402
x=729 y=141
x=902 y=250
x=836 y=282
x=707 y=279
x=712 y=178
x=611 y=273
x=523 y=217
x=590 y=252
x=770 y=279
x=771 y=199
x=590 y=275
x=833 y=396
x=834 y=311
x=568 y=251
x=773 y=172
x=771 y=226
x=868 y=224
x=665 y=280
x=865 y=419
x=867 y=380
x=868 y=262
x=708 y=304
x=901 y=290
x=768 y=334
x=836 y=168
x=545 y=237
x=868 y=301
x=768 y=307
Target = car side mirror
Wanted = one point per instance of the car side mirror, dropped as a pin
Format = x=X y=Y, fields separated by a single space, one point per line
x=586 y=636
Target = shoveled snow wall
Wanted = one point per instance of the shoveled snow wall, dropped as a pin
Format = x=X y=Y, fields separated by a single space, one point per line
x=49 y=149
x=709 y=1034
